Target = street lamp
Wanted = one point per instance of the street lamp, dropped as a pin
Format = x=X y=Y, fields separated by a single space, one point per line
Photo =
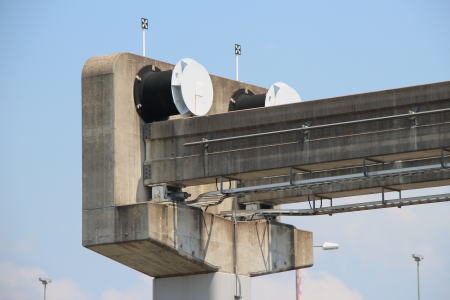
x=418 y=258
x=328 y=246
x=45 y=281
x=298 y=279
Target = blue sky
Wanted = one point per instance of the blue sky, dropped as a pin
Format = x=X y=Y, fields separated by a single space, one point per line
x=321 y=48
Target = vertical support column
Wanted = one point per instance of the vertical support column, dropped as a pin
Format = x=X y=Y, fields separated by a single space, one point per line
x=211 y=286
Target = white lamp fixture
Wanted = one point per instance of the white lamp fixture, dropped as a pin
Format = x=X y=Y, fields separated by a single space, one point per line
x=328 y=246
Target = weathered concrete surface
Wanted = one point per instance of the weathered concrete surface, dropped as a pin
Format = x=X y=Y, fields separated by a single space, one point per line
x=216 y=286
x=156 y=239
x=339 y=149
x=169 y=240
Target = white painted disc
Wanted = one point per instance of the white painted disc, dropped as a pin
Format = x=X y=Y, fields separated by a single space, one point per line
x=280 y=93
x=192 y=89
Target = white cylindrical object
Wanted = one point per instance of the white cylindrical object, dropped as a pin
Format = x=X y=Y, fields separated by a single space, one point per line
x=330 y=246
x=280 y=93
x=192 y=89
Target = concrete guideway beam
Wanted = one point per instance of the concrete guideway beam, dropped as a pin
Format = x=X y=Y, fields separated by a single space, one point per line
x=422 y=127
x=273 y=159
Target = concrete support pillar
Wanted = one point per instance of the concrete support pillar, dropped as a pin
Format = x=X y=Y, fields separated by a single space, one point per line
x=211 y=286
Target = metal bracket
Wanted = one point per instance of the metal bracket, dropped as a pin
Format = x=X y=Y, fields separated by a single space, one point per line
x=306 y=132
x=326 y=198
x=302 y=170
x=168 y=193
x=375 y=160
x=220 y=188
x=313 y=207
x=221 y=180
x=205 y=145
x=147 y=171
x=390 y=189
x=291 y=176
x=147 y=131
x=413 y=118
x=443 y=162
x=205 y=155
x=365 y=171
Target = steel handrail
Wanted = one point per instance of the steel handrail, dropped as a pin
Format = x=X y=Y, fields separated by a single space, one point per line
x=410 y=114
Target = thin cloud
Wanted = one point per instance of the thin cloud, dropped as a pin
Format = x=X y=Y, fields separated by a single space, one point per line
x=143 y=290
x=21 y=283
x=324 y=286
x=315 y=286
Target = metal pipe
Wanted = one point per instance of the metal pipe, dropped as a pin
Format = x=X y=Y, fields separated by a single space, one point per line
x=312 y=127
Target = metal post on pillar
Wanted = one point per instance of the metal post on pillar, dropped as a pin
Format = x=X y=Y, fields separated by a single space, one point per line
x=144 y=27
x=237 y=53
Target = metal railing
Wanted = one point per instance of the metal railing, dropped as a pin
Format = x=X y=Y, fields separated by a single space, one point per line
x=340 y=208
x=304 y=127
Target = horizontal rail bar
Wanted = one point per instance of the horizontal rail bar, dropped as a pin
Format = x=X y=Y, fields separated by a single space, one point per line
x=299 y=183
x=341 y=208
x=207 y=141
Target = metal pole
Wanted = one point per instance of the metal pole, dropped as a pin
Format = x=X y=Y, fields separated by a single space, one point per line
x=418 y=282
x=45 y=291
x=298 y=283
x=418 y=258
x=237 y=67
x=144 y=27
x=143 y=42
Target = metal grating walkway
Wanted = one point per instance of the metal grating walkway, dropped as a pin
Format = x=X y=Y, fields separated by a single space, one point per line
x=340 y=208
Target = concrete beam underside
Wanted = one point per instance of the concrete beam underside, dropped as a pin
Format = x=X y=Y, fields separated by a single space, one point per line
x=171 y=240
